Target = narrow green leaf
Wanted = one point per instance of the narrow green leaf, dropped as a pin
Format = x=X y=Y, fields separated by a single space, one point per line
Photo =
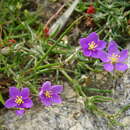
x=1 y=99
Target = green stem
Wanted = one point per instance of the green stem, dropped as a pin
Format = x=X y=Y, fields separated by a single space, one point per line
x=58 y=40
x=77 y=87
x=49 y=65
x=98 y=90
x=125 y=108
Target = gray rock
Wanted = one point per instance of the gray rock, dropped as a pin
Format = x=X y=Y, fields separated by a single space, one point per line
x=77 y=127
x=126 y=121
x=68 y=91
x=67 y=116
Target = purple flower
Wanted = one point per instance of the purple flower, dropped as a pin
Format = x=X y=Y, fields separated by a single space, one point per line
x=91 y=45
x=50 y=93
x=114 y=59
x=19 y=100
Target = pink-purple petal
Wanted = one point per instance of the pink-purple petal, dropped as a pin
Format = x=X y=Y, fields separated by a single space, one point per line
x=121 y=66
x=41 y=92
x=10 y=103
x=56 y=99
x=46 y=101
x=112 y=43
x=103 y=56
x=101 y=44
x=108 y=67
x=25 y=93
x=27 y=103
x=123 y=55
x=87 y=53
x=84 y=43
x=20 y=112
x=13 y=92
x=93 y=36
x=46 y=86
x=113 y=48
x=95 y=54
x=57 y=89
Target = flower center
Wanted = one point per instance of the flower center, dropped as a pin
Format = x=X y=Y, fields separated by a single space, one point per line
x=114 y=58
x=19 y=100
x=92 y=45
x=48 y=94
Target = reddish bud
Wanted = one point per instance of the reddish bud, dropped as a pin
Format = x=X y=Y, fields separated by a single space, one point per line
x=12 y=41
x=129 y=21
x=46 y=31
x=91 y=9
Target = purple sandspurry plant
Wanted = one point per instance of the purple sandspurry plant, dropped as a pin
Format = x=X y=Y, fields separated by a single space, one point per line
x=91 y=45
x=114 y=59
x=19 y=100
x=49 y=94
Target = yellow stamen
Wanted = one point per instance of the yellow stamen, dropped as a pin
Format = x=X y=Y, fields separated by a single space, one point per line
x=48 y=94
x=19 y=100
x=114 y=58
x=92 y=45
